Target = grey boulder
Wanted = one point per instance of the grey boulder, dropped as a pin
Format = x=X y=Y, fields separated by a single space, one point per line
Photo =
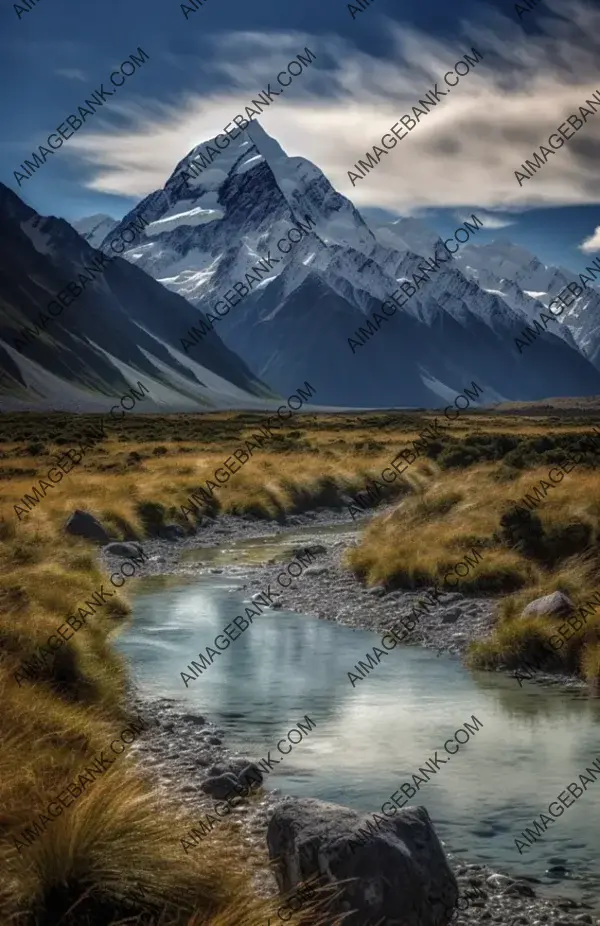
x=450 y=616
x=124 y=549
x=83 y=524
x=399 y=872
x=555 y=605
x=251 y=776
x=220 y=786
x=171 y=532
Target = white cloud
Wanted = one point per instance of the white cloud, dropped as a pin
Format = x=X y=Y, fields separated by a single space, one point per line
x=71 y=73
x=489 y=219
x=463 y=154
x=592 y=243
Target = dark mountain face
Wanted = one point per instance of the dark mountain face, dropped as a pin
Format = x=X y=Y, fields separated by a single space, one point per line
x=112 y=323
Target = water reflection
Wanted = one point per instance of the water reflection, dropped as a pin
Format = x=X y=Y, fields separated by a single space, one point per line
x=372 y=738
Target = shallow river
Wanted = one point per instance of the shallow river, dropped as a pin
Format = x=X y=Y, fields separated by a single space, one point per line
x=370 y=739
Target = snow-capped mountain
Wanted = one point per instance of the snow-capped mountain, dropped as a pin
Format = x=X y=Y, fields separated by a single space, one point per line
x=526 y=283
x=221 y=211
x=407 y=234
x=95 y=228
x=116 y=332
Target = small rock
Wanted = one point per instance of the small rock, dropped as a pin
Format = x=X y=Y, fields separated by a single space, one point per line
x=220 y=786
x=316 y=549
x=194 y=718
x=378 y=591
x=450 y=616
x=216 y=770
x=315 y=570
x=171 y=532
x=520 y=888
x=213 y=740
x=251 y=775
x=123 y=549
x=452 y=598
x=498 y=882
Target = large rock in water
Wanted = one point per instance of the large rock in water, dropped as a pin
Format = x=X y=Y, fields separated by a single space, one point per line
x=555 y=605
x=401 y=875
x=83 y=524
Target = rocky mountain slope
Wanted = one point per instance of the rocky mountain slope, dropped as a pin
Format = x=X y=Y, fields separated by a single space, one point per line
x=529 y=285
x=122 y=327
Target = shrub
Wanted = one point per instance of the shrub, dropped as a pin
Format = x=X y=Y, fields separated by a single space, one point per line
x=522 y=530
x=564 y=540
x=152 y=516
x=456 y=457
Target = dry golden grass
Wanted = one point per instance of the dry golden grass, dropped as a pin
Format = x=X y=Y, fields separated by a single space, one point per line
x=122 y=837
x=119 y=840
x=453 y=514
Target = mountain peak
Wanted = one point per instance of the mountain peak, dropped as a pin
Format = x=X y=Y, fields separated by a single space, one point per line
x=95 y=228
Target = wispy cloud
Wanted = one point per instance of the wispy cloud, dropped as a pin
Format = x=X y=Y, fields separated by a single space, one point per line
x=71 y=73
x=592 y=243
x=489 y=219
x=463 y=154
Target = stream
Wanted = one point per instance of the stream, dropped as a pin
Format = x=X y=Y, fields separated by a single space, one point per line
x=368 y=740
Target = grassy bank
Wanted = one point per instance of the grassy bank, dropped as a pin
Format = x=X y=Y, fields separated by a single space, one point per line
x=114 y=855
x=466 y=515
x=115 y=852
x=119 y=840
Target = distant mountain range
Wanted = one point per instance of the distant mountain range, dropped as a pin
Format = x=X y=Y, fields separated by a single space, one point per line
x=221 y=212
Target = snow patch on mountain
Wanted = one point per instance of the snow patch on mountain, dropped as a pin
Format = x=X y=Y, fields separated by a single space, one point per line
x=41 y=241
x=407 y=234
x=176 y=219
x=95 y=228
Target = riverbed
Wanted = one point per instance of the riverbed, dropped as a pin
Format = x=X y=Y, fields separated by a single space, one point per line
x=371 y=737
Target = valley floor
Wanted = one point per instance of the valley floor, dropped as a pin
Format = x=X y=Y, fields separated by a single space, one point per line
x=455 y=497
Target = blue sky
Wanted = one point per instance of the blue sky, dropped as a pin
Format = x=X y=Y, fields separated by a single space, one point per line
x=369 y=71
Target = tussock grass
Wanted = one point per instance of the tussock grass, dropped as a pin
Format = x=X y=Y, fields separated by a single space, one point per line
x=114 y=856
x=428 y=532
